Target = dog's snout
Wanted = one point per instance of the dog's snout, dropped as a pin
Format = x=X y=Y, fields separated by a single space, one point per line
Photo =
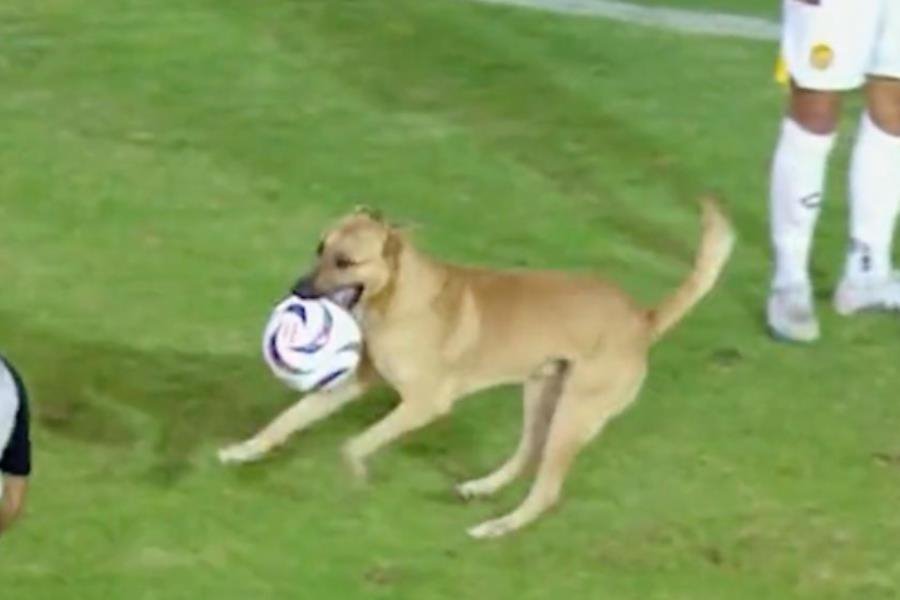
x=305 y=287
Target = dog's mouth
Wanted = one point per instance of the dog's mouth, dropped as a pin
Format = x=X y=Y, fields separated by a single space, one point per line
x=346 y=296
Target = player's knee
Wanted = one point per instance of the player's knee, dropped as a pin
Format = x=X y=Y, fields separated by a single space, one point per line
x=12 y=509
x=16 y=509
x=815 y=111
x=883 y=104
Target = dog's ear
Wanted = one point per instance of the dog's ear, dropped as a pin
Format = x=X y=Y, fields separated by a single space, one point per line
x=372 y=213
x=393 y=244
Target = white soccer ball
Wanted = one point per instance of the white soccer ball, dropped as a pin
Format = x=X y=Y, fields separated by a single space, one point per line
x=311 y=344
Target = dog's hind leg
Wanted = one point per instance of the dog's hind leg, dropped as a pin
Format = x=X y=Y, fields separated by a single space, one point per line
x=539 y=396
x=592 y=395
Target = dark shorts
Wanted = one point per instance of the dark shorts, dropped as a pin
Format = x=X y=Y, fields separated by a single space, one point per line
x=16 y=457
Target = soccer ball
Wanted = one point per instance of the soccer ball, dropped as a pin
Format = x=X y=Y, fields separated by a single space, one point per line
x=311 y=344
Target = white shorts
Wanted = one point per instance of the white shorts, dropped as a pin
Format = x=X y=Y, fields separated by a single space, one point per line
x=835 y=44
x=9 y=405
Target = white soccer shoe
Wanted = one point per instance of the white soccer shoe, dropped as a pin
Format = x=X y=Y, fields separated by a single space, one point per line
x=855 y=296
x=791 y=314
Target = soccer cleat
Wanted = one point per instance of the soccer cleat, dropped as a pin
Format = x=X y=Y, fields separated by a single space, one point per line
x=791 y=314
x=855 y=296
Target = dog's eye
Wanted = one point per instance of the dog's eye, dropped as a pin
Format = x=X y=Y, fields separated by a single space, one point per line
x=342 y=262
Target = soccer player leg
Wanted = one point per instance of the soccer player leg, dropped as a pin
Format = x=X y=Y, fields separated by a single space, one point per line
x=824 y=55
x=13 y=502
x=796 y=191
x=869 y=281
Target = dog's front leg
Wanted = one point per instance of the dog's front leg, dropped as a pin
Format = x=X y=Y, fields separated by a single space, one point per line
x=418 y=407
x=305 y=412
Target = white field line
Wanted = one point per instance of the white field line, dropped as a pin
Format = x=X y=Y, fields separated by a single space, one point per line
x=672 y=19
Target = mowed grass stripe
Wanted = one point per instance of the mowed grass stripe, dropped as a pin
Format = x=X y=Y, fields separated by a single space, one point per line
x=666 y=16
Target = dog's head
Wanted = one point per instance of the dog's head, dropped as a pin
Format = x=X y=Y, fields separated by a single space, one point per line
x=355 y=260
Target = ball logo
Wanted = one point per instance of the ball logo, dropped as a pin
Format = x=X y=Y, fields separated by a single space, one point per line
x=821 y=57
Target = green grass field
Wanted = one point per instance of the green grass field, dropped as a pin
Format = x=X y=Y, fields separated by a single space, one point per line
x=165 y=168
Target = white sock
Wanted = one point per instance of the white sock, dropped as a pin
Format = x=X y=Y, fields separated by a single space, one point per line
x=874 y=202
x=796 y=193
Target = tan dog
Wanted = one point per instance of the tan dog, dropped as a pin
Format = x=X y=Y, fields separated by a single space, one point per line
x=436 y=332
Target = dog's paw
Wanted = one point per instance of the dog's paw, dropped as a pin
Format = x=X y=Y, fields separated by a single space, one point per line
x=492 y=529
x=477 y=488
x=243 y=452
x=356 y=465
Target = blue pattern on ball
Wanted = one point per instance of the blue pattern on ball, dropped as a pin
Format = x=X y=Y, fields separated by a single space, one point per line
x=321 y=339
x=299 y=310
x=329 y=378
x=279 y=360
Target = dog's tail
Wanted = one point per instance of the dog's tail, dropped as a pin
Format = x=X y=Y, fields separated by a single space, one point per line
x=716 y=243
